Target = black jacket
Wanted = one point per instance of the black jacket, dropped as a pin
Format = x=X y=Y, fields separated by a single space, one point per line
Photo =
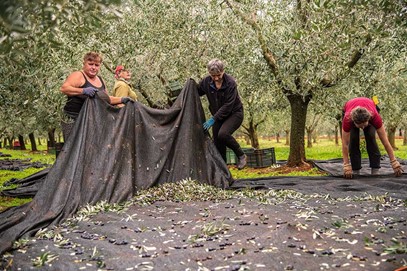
x=223 y=102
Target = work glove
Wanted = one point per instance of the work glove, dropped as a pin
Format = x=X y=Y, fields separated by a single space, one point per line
x=398 y=170
x=208 y=124
x=89 y=91
x=347 y=171
x=125 y=100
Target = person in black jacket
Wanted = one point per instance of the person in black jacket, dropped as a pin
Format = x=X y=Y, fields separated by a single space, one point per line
x=226 y=108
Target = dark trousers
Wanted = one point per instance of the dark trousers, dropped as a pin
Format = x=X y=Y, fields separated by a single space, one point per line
x=222 y=134
x=371 y=147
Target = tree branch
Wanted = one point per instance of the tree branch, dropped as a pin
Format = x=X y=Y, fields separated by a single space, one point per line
x=358 y=53
x=150 y=102
x=267 y=54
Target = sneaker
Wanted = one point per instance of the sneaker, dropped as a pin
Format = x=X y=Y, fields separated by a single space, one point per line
x=356 y=172
x=242 y=162
x=375 y=171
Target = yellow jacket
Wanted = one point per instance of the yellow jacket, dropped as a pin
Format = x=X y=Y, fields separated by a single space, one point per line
x=122 y=89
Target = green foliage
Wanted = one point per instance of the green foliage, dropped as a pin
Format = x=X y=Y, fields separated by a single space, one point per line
x=214 y=228
x=397 y=247
x=44 y=258
x=43 y=41
x=22 y=20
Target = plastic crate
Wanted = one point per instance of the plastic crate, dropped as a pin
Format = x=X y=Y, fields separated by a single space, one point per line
x=261 y=158
x=230 y=157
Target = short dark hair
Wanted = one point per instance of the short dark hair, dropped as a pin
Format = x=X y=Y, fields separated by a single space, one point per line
x=360 y=115
x=93 y=56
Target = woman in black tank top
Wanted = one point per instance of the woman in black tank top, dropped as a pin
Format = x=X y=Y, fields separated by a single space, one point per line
x=74 y=103
x=81 y=85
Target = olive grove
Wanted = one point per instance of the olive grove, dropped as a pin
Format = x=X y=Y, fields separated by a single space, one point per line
x=313 y=54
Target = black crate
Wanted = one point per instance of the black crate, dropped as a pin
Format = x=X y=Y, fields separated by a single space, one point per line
x=231 y=158
x=261 y=158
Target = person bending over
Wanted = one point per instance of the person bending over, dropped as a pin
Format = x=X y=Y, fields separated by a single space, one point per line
x=362 y=113
x=226 y=108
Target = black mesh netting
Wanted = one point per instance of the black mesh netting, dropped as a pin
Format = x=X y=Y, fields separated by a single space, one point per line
x=333 y=184
x=290 y=223
x=112 y=153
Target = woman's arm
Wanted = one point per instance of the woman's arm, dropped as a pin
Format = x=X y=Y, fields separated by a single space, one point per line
x=381 y=132
x=71 y=86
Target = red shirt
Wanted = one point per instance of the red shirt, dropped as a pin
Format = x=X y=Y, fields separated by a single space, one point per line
x=375 y=120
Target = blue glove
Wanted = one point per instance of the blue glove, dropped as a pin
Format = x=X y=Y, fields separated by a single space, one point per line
x=208 y=124
x=125 y=100
x=89 y=91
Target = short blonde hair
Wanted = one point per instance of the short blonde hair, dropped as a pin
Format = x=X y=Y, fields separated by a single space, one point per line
x=360 y=115
x=93 y=56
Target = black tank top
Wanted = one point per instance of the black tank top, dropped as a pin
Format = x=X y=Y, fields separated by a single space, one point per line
x=74 y=103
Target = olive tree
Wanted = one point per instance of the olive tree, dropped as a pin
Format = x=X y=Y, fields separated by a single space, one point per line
x=310 y=46
x=33 y=51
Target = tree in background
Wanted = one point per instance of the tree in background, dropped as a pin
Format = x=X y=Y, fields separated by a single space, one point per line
x=311 y=46
x=32 y=50
x=309 y=49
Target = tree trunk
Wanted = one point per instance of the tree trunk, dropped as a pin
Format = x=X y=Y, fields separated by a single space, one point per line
x=39 y=141
x=287 y=137
x=309 y=138
x=22 y=143
x=10 y=142
x=254 y=140
x=32 y=140
x=336 y=135
x=404 y=138
x=391 y=134
x=51 y=138
x=278 y=137
x=314 y=136
x=299 y=107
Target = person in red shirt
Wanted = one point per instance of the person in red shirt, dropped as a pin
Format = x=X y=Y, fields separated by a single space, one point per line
x=362 y=113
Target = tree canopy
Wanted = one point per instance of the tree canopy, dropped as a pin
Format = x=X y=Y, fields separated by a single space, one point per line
x=315 y=53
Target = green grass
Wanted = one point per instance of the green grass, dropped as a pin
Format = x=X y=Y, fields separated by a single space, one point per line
x=5 y=175
x=248 y=173
x=324 y=149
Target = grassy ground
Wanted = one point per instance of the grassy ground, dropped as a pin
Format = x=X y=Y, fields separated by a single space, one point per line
x=41 y=156
x=323 y=149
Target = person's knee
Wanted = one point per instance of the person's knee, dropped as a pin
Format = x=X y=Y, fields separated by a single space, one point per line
x=223 y=136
